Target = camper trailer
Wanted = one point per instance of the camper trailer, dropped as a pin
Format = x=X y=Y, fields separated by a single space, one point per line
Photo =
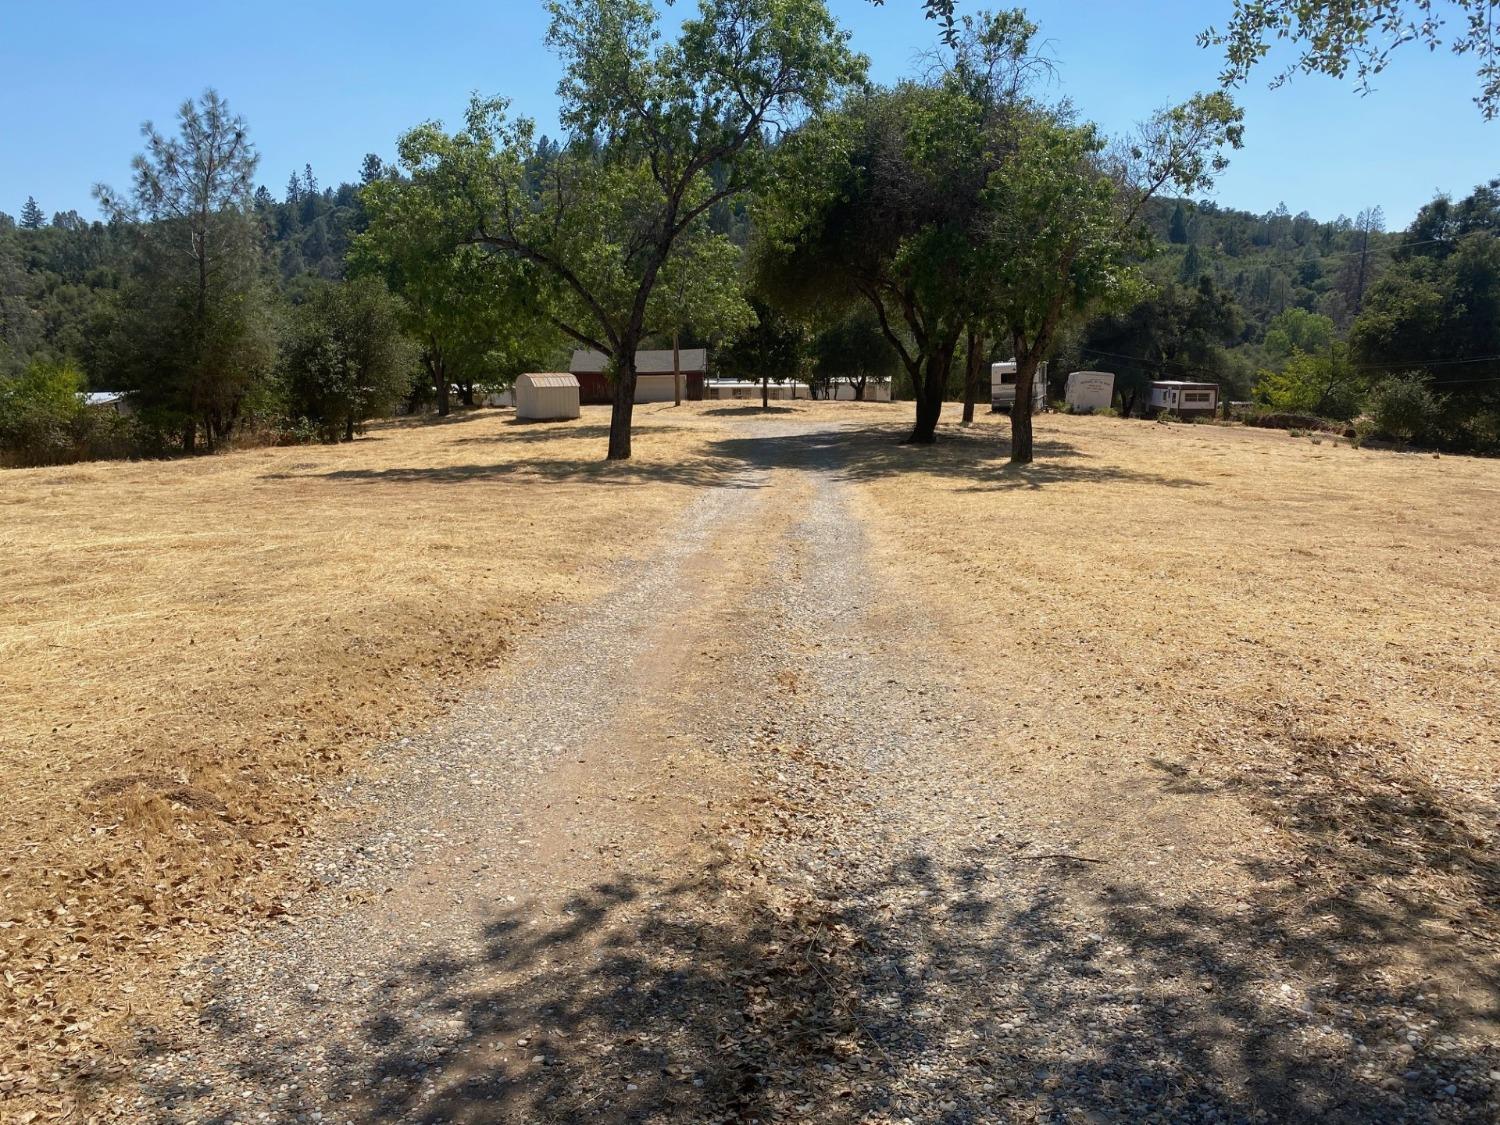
x=1003 y=387
x=1186 y=400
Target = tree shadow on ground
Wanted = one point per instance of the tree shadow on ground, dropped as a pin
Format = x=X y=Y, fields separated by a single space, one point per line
x=873 y=451
x=698 y=474
x=855 y=452
x=748 y=411
x=961 y=991
x=542 y=432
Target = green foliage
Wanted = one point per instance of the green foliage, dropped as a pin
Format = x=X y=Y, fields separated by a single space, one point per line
x=469 y=310
x=193 y=331
x=1297 y=330
x=774 y=349
x=346 y=358
x=1325 y=384
x=1437 y=310
x=664 y=132
x=1357 y=34
x=854 y=351
x=38 y=412
x=43 y=419
x=1405 y=408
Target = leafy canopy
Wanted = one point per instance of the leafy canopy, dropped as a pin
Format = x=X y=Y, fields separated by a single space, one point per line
x=1361 y=35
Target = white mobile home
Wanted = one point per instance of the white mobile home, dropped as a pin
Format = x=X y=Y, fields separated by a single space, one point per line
x=751 y=389
x=876 y=390
x=1088 y=391
x=1189 y=400
x=1003 y=386
x=547 y=396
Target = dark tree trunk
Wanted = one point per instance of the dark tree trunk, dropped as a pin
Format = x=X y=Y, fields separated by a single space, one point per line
x=1020 y=413
x=466 y=390
x=189 y=435
x=349 y=428
x=765 y=392
x=624 y=404
x=439 y=374
x=972 y=365
x=859 y=388
x=1127 y=402
x=929 y=393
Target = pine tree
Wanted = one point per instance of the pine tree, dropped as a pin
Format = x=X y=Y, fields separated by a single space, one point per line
x=1179 y=232
x=1192 y=264
x=31 y=215
x=371 y=170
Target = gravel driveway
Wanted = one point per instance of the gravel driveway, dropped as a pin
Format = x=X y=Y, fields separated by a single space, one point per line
x=732 y=845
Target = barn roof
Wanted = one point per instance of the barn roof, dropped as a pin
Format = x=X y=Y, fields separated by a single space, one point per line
x=693 y=361
x=548 y=379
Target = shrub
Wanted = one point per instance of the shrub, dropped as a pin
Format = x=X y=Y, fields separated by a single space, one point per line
x=1364 y=430
x=1326 y=385
x=1282 y=420
x=346 y=358
x=1405 y=408
x=41 y=414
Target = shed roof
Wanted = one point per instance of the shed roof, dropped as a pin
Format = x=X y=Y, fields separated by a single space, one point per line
x=102 y=398
x=548 y=379
x=692 y=361
x=1181 y=383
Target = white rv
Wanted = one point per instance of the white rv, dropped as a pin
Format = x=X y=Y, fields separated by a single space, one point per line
x=1003 y=387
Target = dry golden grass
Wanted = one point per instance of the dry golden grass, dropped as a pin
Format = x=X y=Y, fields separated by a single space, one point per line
x=1268 y=631
x=1269 y=666
x=191 y=648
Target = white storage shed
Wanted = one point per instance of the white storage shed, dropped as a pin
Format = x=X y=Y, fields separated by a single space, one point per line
x=547 y=396
x=1088 y=391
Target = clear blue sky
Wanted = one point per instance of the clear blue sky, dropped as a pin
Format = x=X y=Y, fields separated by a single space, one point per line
x=325 y=81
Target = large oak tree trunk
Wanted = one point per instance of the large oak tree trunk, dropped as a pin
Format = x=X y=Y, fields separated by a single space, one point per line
x=929 y=392
x=1020 y=412
x=624 y=405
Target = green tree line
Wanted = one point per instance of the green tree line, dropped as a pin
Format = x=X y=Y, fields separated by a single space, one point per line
x=738 y=182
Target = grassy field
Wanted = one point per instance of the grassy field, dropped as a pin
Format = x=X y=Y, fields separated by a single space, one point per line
x=192 y=649
x=1265 y=667
x=1301 y=636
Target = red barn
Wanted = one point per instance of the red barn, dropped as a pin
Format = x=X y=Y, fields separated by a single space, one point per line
x=653 y=375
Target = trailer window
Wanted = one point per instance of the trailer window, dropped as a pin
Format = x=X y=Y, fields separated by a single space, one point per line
x=1197 y=396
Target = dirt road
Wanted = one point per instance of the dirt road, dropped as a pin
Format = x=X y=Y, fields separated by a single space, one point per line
x=743 y=841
